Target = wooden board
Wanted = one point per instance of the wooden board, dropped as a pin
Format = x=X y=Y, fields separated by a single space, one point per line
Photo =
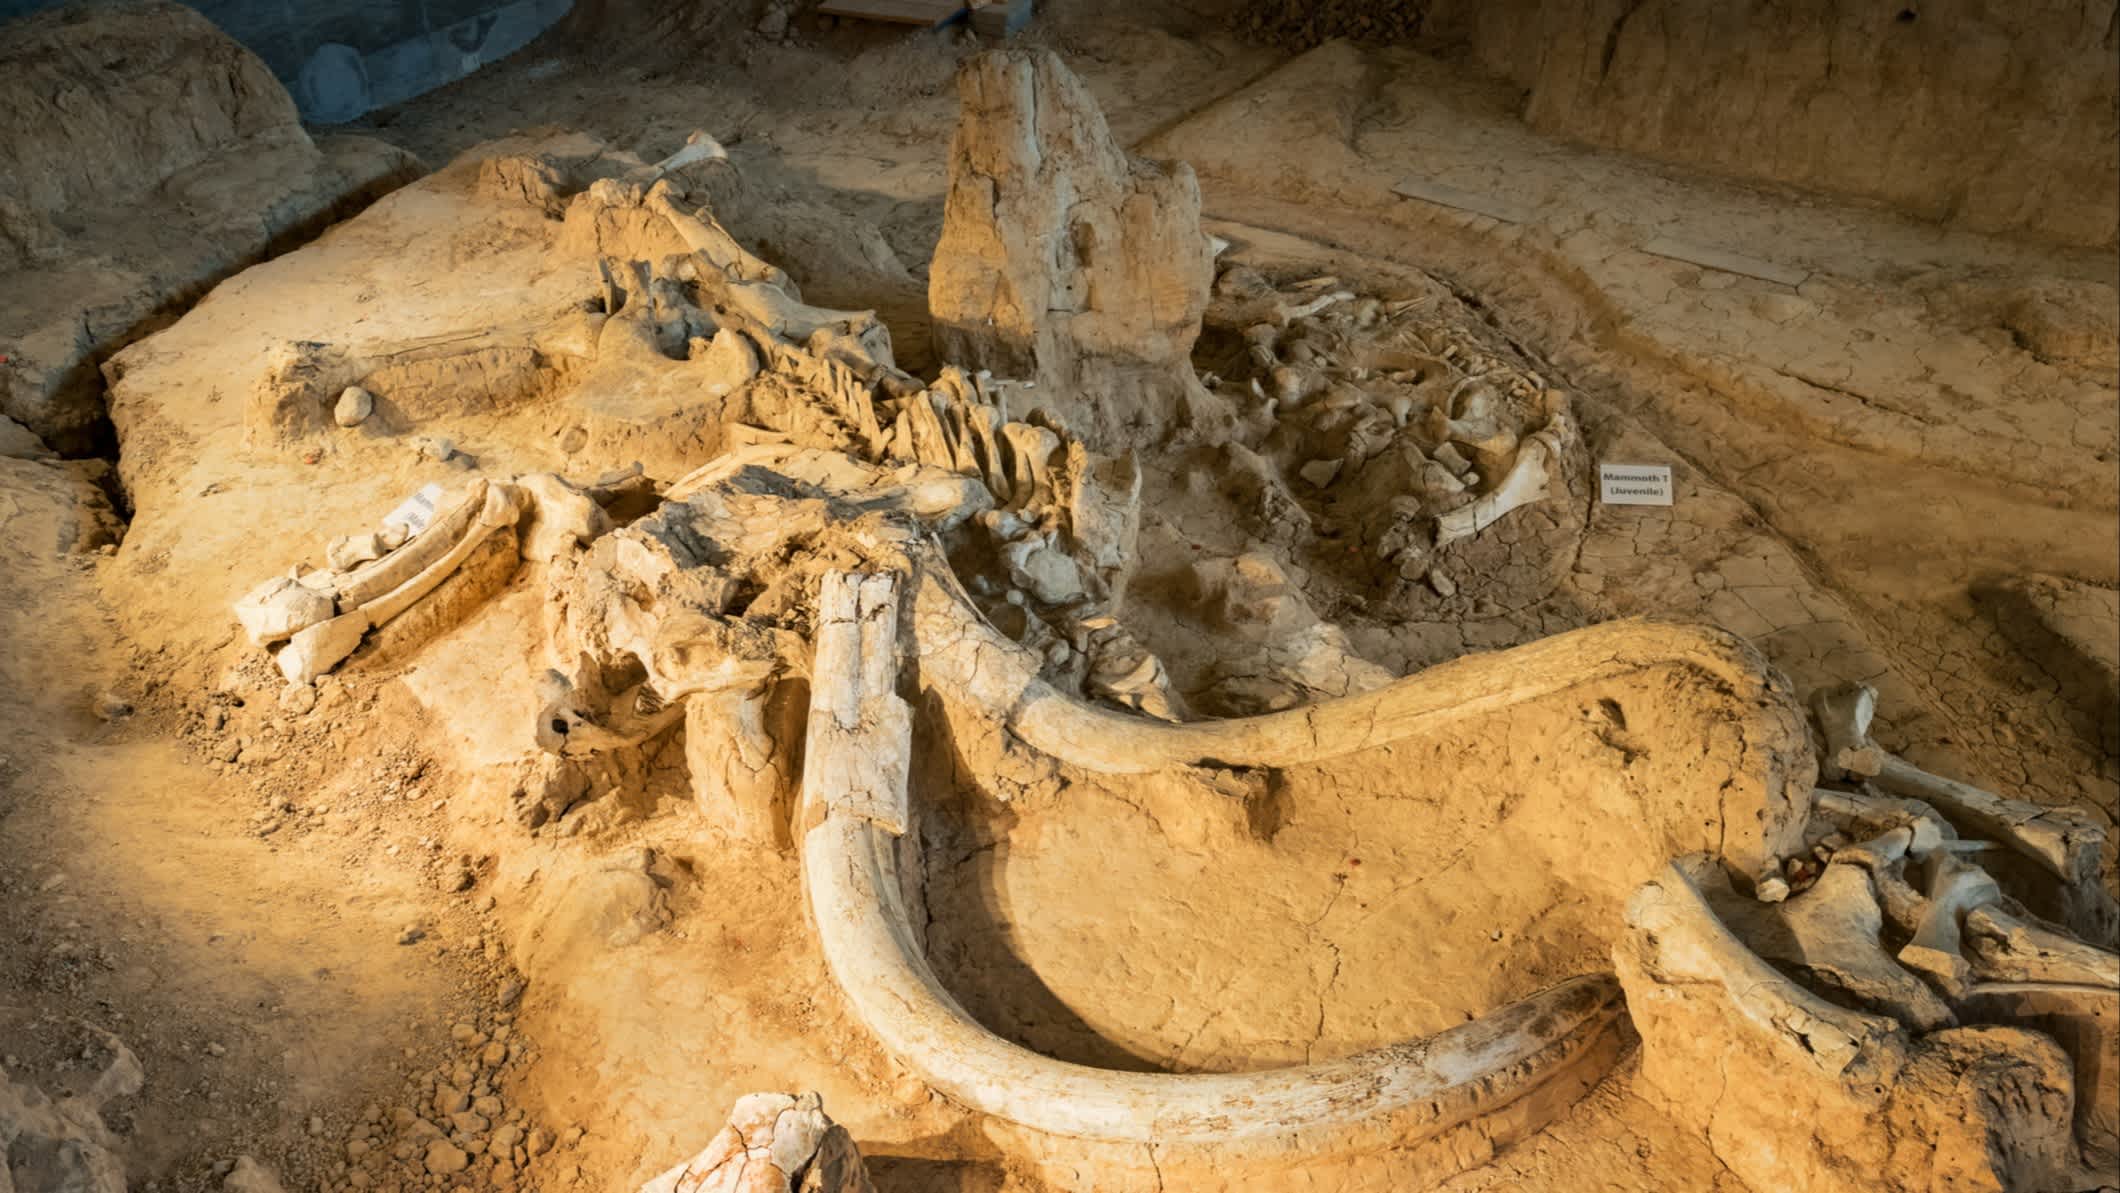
x=1430 y=191
x=898 y=12
x=1715 y=258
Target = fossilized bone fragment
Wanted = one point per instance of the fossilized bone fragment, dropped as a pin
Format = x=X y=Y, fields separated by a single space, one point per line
x=773 y=1143
x=496 y=506
x=1843 y=714
x=280 y=607
x=1831 y=1099
x=1526 y=482
x=2063 y=842
x=698 y=147
x=562 y=518
x=860 y=732
x=741 y=758
x=1066 y=262
x=2004 y=948
x=1833 y=934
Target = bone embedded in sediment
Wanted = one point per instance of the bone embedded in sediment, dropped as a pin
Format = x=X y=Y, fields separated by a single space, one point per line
x=562 y=519
x=698 y=148
x=352 y=550
x=1030 y=453
x=281 y=607
x=372 y=580
x=1937 y=946
x=1843 y=713
x=742 y=771
x=772 y=1143
x=1104 y=517
x=318 y=648
x=727 y=362
x=1833 y=935
x=1526 y=483
x=498 y=506
x=859 y=749
x=2065 y=841
x=2002 y=947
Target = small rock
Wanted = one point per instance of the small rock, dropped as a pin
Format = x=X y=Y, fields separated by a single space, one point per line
x=112 y=707
x=1444 y=586
x=495 y=1053
x=1320 y=473
x=297 y=699
x=444 y=1158
x=412 y=934
x=354 y=406
x=540 y=1141
x=434 y=447
x=510 y=994
x=249 y=1176
x=451 y=1100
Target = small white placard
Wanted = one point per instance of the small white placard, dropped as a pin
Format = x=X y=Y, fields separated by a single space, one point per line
x=415 y=511
x=1634 y=484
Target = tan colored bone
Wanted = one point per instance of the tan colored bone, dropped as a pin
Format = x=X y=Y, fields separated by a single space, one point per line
x=280 y=607
x=1526 y=483
x=1843 y=713
x=498 y=507
x=858 y=754
x=369 y=581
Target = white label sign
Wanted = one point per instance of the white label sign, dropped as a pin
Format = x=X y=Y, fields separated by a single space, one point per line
x=415 y=511
x=1634 y=484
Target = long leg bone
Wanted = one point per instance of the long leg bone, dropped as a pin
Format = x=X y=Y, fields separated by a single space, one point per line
x=1525 y=483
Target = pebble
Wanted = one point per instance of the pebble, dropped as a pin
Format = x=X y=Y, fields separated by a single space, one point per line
x=112 y=707
x=412 y=934
x=1320 y=473
x=451 y=1100
x=434 y=447
x=297 y=699
x=444 y=1158
x=354 y=406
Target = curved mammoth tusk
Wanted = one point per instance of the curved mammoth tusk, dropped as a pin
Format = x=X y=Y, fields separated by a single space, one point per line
x=1406 y=1092
x=1412 y=1090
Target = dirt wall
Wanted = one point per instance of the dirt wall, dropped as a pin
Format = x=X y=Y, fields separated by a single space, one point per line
x=1997 y=116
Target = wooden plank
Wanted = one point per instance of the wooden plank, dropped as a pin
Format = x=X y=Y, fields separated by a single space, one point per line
x=1427 y=190
x=898 y=12
x=1728 y=262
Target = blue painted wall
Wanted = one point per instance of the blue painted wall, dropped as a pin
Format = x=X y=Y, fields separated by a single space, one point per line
x=341 y=58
